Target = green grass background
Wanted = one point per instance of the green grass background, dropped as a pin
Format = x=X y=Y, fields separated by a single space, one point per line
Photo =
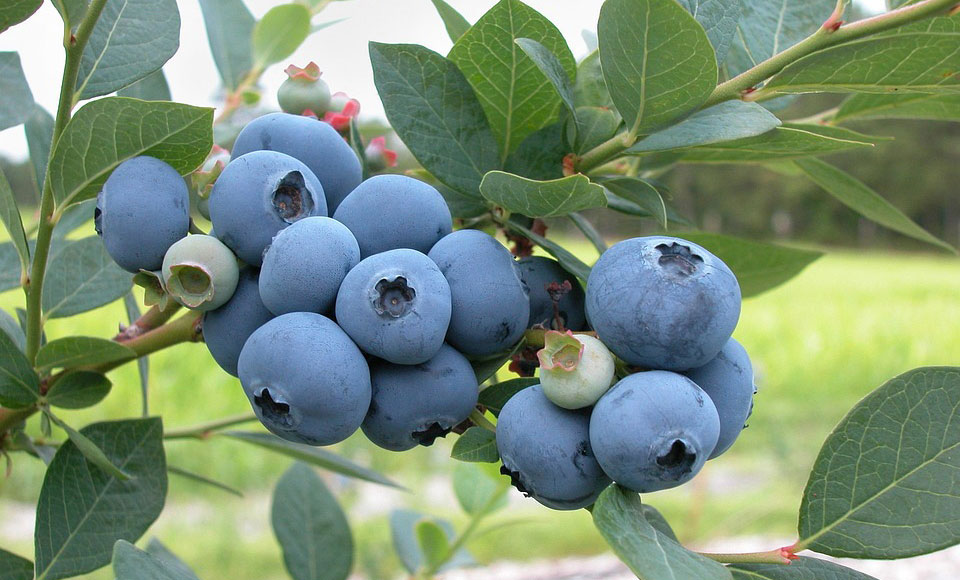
x=820 y=343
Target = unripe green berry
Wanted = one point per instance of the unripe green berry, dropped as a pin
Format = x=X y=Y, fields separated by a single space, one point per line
x=200 y=272
x=575 y=369
x=304 y=90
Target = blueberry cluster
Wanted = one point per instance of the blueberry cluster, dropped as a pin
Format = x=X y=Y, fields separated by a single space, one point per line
x=666 y=308
x=344 y=304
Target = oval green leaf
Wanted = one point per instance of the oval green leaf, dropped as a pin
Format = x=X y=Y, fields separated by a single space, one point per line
x=281 y=30
x=724 y=122
x=455 y=24
x=799 y=569
x=156 y=549
x=433 y=543
x=17 y=102
x=16 y=11
x=476 y=444
x=789 y=141
x=647 y=551
x=435 y=112
x=496 y=396
x=552 y=68
x=10 y=215
x=768 y=28
x=311 y=527
x=719 y=19
x=229 y=27
x=930 y=107
x=403 y=525
x=78 y=390
x=152 y=87
x=130 y=563
x=13 y=567
x=542 y=198
x=885 y=482
x=19 y=384
x=81 y=277
x=479 y=487
x=656 y=59
x=77 y=524
x=39 y=131
x=131 y=39
x=106 y=132
x=77 y=351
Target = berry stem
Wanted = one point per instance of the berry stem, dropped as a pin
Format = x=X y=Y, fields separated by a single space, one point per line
x=777 y=556
x=743 y=86
x=151 y=319
x=478 y=419
x=204 y=430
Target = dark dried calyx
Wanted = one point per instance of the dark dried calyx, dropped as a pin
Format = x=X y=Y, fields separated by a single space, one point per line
x=291 y=199
x=678 y=460
x=427 y=436
x=275 y=411
x=679 y=258
x=394 y=297
x=515 y=480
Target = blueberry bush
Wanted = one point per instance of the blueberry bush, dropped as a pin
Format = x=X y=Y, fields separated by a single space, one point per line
x=348 y=296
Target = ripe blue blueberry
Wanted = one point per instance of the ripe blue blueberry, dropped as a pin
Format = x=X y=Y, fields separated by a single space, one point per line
x=228 y=327
x=200 y=272
x=654 y=430
x=387 y=212
x=313 y=142
x=396 y=306
x=728 y=379
x=490 y=303
x=303 y=267
x=259 y=194
x=662 y=303
x=546 y=451
x=414 y=404
x=143 y=208
x=306 y=380
x=539 y=273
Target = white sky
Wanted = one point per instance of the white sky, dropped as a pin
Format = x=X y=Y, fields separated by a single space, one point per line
x=340 y=51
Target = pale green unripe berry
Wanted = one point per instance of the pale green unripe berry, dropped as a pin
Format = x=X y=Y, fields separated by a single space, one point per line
x=304 y=90
x=200 y=272
x=575 y=369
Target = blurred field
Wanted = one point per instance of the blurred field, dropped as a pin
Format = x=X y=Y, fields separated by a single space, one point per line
x=820 y=343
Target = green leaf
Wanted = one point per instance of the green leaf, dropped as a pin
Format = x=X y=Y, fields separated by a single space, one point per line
x=542 y=198
x=89 y=449
x=789 y=141
x=312 y=455
x=591 y=127
x=77 y=513
x=659 y=523
x=727 y=121
x=540 y=156
x=435 y=112
x=78 y=390
x=17 y=102
x=516 y=96
x=856 y=195
x=229 y=27
x=487 y=367
x=204 y=480
x=589 y=231
x=160 y=552
x=104 y=133
x=39 y=131
x=496 y=396
x=10 y=215
x=16 y=11
x=885 y=482
x=799 y=569
x=589 y=88
x=479 y=487
x=657 y=61
x=932 y=107
x=278 y=34
x=152 y=87
x=81 y=277
x=13 y=567
x=9 y=267
x=641 y=193
x=19 y=384
x=311 y=527
x=476 y=444
x=132 y=38
x=768 y=28
x=10 y=327
x=403 y=525
x=72 y=11
x=130 y=563
x=552 y=68
x=649 y=553
x=922 y=58
x=433 y=543
x=455 y=24
x=75 y=217
x=719 y=18
x=758 y=266
x=78 y=351
x=569 y=262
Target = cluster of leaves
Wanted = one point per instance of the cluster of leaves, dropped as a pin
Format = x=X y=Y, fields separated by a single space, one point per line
x=511 y=128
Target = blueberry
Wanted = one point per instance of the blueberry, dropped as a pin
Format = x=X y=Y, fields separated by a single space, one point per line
x=728 y=379
x=259 y=194
x=396 y=306
x=200 y=272
x=303 y=267
x=306 y=380
x=413 y=405
x=575 y=369
x=662 y=303
x=490 y=303
x=654 y=430
x=315 y=143
x=228 y=327
x=304 y=90
x=546 y=451
x=538 y=273
x=143 y=208
x=387 y=212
